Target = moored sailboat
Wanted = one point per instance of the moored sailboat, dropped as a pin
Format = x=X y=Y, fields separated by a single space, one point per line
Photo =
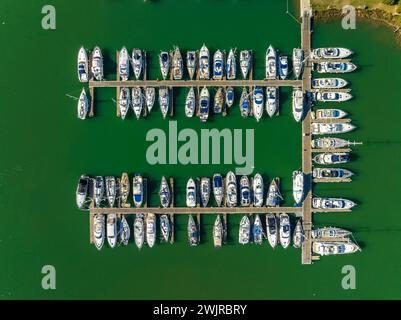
x=83 y=105
x=244 y=230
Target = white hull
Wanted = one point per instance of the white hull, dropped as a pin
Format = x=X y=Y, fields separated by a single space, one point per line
x=124 y=64
x=124 y=102
x=82 y=65
x=245 y=62
x=283 y=70
x=330 y=143
x=218 y=65
x=97 y=64
x=331 y=173
x=137 y=101
x=218 y=189
x=331 y=128
x=333 y=96
x=245 y=192
x=139 y=231
x=164 y=61
x=257 y=230
x=231 y=189
x=137 y=190
x=229 y=97
x=137 y=62
x=272 y=229
x=271 y=63
x=190 y=103
x=330 y=53
x=150 y=229
x=245 y=103
x=335 y=67
x=150 y=97
x=298 y=62
x=98 y=190
x=99 y=232
x=111 y=227
x=333 y=248
x=178 y=65
x=111 y=190
x=329 y=83
x=331 y=158
x=298 y=236
x=205 y=191
x=164 y=101
x=231 y=66
x=244 y=230
x=193 y=236
x=191 y=193
x=330 y=232
x=83 y=105
x=298 y=186
x=204 y=66
x=82 y=191
x=298 y=104
x=285 y=230
x=328 y=114
x=258 y=190
x=164 y=193
x=272 y=98
x=218 y=232
x=165 y=228
x=258 y=103
x=332 y=203
x=204 y=104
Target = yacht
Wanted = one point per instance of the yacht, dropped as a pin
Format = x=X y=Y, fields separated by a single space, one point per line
x=231 y=189
x=331 y=158
x=330 y=53
x=330 y=232
x=165 y=228
x=178 y=65
x=285 y=230
x=111 y=227
x=297 y=104
x=324 y=248
x=204 y=102
x=258 y=102
x=271 y=63
x=283 y=67
x=191 y=63
x=124 y=231
x=150 y=229
x=218 y=65
x=245 y=191
x=331 y=128
x=298 y=236
x=124 y=188
x=244 y=230
x=272 y=101
x=244 y=103
x=218 y=188
x=164 y=101
x=218 y=101
x=124 y=102
x=274 y=196
x=333 y=96
x=332 y=203
x=97 y=64
x=205 y=191
x=204 y=70
x=231 y=66
x=229 y=97
x=328 y=114
x=123 y=64
x=190 y=103
x=82 y=65
x=193 y=233
x=98 y=189
x=245 y=61
x=191 y=193
x=137 y=190
x=137 y=62
x=331 y=173
x=335 y=67
x=298 y=186
x=329 y=83
x=139 y=230
x=164 y=61
x=99 y=232
x=164 y=193
x=111 y=190
x=83 y=105
x=272 y=229
x=82 y=191
x=150 y=97
x=257 y=230
x=137 y=101
x=298 y=62
x=330 y=143
x=258 y=190
x=218 y=232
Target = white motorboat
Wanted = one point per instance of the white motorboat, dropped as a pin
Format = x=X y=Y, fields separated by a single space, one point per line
x=190 y=103
x=328 y=114
x=244 y=230
x=298 y=236
x=245 y=192
x=335 y=67
x=330 y=53
x=333 y=96
x=97 y=64
x=164 y=193
x=328 y=83
x=164 y=61
x=164 y=101
x=204 y=68
x=272 y=98
x=123 y=64
x=324 y=248
x=137 y=62
x=82 y=65
x=245 y=103
x=283 y=67
x=258 y=103
x=258 y=190
x=332 y=203
x=191 y=193
x=83 y=105
x=82 y=191
x=218 y=232
x=99 y=232
x=331 y=143
x=298 y=62
x=245 y=60
x=271 y=63
x=191 y=63
x=150 y=97
x=98 y=190
x=331 y=128
x=231 y=189
x=139 y=230
x=193 y=233
x=298 y=186
x=137 y=190
x=111 y=227
x=330 y=232
x=285 y=230
x=124 y=231
x=274 y=196
x=298 y=104
x=218 y=188
x=331 y=158
x=331 y=173
x=178 y=65
x=124 y=188
x=205 y=191
x=165 y=227
x=229 y=97
x=257 y=230
x=218 y=65
x=231 y=65
x=150 y=229
x=204 y=104
x=272 y=229
x=124 y=102
x=111 y=190
x=137 y=101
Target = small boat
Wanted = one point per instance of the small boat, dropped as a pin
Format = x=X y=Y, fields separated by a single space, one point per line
x=124 y=188
x=218 y=65
x=123 y=64
x=218 y=188
x=331 y=173
x=283 y=67
x=190 y=103
x=164 y=193
x=82 y=65
x=332 y=203
x=244 y=103
x=330 y=232
x=98 y=188
x=111 y=190
x=97 y=64
x=111 y=227
x=257 y=230
x=124 y=102
x=272 y=98
x=330 y=53
x=258 y=102
x=204 y=102
x=164 y=61
x=231 y=189
x=137 y=101
x=165 y=228
x=124 y=231
x=328 y=114
x=285 y=230
x=150 y=229
x=231 y=65
x=244 y=230
x=229 y=97
x=258 y=190
x=245 y=192
x=83 y=105
x=82 y=191
x=272 y=229
x=298 y=236
x=218 y=232
x=298 y=104
x=245 y=61
x=137 y=190
x=150 y=97
x=164 y=101
x=139 y=230
x=333 y=248
x=137 y=62
x=218 y=101
x=298 y=186
x=191 y=193
x=205 y=191
x=331 y=158
x=178 y=65
x=331 y=128
x=193 y=236
x=330 y=143
x=328 y=83
x=271 y=63
x=99 y=232
x=204 y=70
x=191 y=63
x=333 y=96
x=274 y=196
x=298 y=61
x=335 y=67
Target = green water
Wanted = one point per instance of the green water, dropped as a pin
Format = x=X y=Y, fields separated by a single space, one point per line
x=45 y=149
